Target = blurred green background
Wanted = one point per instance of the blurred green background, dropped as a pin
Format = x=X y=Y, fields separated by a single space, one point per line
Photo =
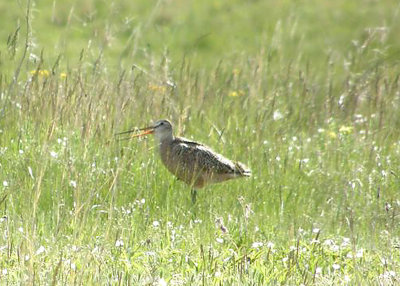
x=304 y=92
x=206 y=32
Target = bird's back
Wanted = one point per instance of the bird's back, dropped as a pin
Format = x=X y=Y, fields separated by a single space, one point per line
x=198 y=165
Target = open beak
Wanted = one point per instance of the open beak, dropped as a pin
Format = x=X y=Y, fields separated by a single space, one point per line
x=146 y=131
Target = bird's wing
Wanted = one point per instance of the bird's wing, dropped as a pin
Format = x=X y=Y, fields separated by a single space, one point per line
x=196 y=155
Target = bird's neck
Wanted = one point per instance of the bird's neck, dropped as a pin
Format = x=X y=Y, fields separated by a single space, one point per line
x=165 y=140
x=164 y=148
x=161 y=137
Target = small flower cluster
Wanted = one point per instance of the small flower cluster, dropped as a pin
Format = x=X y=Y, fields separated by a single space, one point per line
x=46 y=73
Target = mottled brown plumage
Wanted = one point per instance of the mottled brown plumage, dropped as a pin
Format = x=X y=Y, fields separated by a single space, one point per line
x=194 y=163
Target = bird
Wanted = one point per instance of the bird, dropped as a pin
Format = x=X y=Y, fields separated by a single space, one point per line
x=191 y=162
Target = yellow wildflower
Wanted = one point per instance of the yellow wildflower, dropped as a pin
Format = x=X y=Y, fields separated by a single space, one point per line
x=345 y=129
x=236 y=71
x=157 y=88
x=332 y=134
x=63 y=75
x=235 y=93
x=44 y=73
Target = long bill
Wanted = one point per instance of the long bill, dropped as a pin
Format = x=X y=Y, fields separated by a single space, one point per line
x=146 y=131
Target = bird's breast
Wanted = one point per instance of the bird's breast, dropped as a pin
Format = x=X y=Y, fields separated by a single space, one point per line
x=181 y=164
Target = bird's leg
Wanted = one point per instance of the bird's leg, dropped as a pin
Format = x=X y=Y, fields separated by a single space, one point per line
x=193 y=194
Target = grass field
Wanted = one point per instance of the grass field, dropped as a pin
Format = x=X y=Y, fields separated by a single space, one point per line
x=306 y=93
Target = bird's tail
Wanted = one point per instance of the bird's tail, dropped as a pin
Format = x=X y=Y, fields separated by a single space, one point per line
x=242 y=169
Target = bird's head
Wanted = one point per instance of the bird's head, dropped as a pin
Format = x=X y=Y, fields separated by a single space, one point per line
x=162 y=129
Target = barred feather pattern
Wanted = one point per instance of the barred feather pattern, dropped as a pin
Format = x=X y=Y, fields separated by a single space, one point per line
x=198 y=165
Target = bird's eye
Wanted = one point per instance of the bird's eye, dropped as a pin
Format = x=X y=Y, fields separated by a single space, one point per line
x=162 y=123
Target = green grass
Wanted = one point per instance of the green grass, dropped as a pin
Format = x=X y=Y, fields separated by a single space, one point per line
x=316 y=117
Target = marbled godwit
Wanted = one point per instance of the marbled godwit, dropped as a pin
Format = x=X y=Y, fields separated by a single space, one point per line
x=192 y=162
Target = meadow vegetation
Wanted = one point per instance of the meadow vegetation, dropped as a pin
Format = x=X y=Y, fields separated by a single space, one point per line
x=306 y=93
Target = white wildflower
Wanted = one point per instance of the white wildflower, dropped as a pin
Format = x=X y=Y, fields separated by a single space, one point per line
x=162 y=282
x=329 y=242
x=349 y=255
x=54 y=154
x=346 y=241
x=119 y=243
x=72 y=183
x=257 y=244
x=219 y=240
x=40 y=250
x=390 y=273
x=316 y=230
x=305 y=160
x=277 y=115
x=360 y=253
x=335 y=248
